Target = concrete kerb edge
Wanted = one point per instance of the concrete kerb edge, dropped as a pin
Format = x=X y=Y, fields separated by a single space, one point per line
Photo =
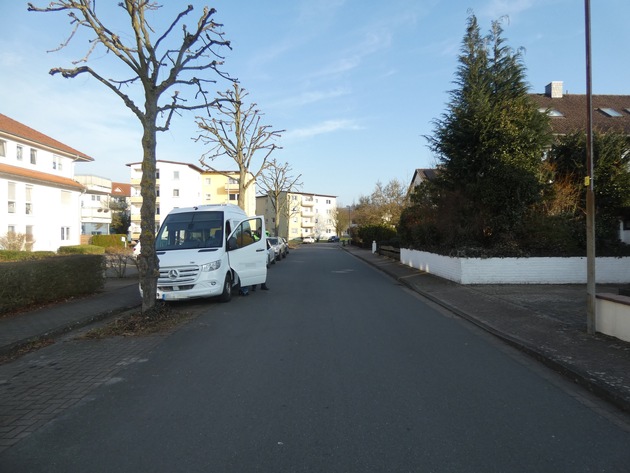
x=605 y=392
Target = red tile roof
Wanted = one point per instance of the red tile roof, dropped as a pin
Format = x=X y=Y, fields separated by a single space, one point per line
x=120 y=189
x=573 y=109
x=37 y=177
x=17 y=129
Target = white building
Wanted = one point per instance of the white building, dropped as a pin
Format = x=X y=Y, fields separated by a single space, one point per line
x=185 y=185
x=95 y=214
x=308 y=215
x=37 y=179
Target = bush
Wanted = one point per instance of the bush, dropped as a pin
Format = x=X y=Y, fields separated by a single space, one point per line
x=25 y=283
x=117 y=259
x=109 y=241
x=370 y=233
x=7 y=255
x=81 y=250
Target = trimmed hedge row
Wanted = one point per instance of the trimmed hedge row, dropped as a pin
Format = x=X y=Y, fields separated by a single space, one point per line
x=27 y=283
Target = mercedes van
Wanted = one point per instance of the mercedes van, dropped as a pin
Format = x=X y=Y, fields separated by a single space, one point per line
x=209 y=250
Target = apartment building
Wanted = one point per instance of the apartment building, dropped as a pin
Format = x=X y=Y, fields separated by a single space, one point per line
x=305 y=215
x=96 y=217
x=181 y=184
x=37 y=180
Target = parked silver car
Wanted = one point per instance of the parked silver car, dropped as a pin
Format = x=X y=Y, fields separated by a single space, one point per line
x=275 y=244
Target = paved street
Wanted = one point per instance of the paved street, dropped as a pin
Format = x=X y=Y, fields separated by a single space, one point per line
x=338 y=368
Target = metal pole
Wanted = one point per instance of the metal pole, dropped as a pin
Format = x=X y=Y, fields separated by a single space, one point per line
x=589 y=182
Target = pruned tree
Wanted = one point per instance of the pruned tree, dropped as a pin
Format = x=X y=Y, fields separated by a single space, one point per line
x=239 y=135
x=166 y=74
x=277 y=183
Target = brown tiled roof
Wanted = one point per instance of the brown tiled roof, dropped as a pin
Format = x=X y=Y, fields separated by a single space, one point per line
x=120 y=189
x=573 y=109
x=17 y=129
x=37 y=177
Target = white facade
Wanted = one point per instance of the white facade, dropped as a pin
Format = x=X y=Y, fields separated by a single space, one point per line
x=309 y=215
x=96 y=216
x=184 y=185
x=36 y=181
x=177 y=185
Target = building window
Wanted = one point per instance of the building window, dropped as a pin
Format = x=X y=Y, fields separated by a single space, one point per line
x=11 y=198
x=28 y=199
x=231 y=180
x=208 y=181
x=157 y=191
x=56 y=163
x=175 y=192
x=233 y=197
x=96 y=198
x=3 y=148
x=19 y=152
x=157 y=211
x=157 y=173
x=328 y=201
x=33 y=156
x=65 y=233
x=176 y=175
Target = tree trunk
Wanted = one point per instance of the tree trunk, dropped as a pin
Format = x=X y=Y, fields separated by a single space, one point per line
x=148 y=262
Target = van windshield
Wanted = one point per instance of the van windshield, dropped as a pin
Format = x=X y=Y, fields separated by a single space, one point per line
x=191 y=230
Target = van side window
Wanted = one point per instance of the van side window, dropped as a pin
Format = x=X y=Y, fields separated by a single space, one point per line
x=248 y=232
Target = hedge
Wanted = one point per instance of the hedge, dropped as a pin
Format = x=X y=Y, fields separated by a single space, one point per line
x=27 y=283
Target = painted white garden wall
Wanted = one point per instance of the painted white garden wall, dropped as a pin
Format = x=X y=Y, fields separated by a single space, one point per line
x=517 y=270
x=613 y=315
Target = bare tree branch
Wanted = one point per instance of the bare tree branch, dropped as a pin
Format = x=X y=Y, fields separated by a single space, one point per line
x=240 y=137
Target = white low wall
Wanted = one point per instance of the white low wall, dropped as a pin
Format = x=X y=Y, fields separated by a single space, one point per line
x=613 y=315
x=517 y=270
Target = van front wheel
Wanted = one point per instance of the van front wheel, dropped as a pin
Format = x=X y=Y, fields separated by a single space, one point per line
x=226 y=295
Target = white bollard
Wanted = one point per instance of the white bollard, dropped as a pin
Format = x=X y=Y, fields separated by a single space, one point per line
x=373 y=246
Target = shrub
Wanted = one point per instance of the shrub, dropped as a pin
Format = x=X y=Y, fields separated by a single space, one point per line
x=109 y=241
x=81 y=250
x=9 y=255
x=17 y=242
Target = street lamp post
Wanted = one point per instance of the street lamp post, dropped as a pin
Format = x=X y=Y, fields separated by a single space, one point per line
x=589 y=182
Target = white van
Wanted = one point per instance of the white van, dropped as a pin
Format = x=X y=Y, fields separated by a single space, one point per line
x=209 y=250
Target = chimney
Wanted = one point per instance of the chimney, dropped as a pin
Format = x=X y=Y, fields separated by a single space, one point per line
x=554 y=89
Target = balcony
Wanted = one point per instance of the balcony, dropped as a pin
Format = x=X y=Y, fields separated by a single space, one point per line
x=308 y=202
x=231 y=188
x=308 y=224
x=307 y=213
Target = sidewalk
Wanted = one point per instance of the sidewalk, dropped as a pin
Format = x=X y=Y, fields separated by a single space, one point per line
x=546 y=321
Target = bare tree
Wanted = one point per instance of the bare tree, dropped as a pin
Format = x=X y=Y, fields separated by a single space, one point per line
x=277 y=182
x=240 y=137
x=383 y=206
x=341 y=219
x=155 y=68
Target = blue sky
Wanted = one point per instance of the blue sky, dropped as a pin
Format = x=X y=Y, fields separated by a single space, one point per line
x=355 y=83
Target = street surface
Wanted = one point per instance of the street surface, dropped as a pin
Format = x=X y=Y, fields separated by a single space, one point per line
x=337 y=368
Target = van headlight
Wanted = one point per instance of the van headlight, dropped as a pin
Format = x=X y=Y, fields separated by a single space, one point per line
x=211 y=266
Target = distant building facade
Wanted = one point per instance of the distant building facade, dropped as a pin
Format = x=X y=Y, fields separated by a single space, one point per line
x=96 y=217
x=181 y=184
x=308 y=215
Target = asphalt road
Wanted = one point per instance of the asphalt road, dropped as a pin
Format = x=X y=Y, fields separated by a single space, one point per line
x=336 y=369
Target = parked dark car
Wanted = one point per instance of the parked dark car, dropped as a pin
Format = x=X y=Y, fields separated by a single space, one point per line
x=333 y=239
